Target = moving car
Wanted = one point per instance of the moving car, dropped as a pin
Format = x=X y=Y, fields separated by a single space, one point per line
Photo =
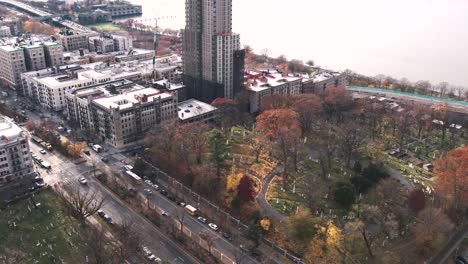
x=155 y=186
x=39 y=182
x=148 y=191
x=83 y=181
x=104 y=159
x=213 y=226
x=164 y=213
x=86 y=152
x=128 y=167
x=101 y=213
x=148 y=182
x=108 y=219
x=43 y=152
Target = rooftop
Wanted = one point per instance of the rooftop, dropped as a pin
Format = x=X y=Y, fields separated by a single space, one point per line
x=8 y=130
x=192 y=108
x=169 y=85
x=126 y=100
x=258 y=81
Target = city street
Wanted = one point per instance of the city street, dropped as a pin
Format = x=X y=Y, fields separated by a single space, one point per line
x=65 y=171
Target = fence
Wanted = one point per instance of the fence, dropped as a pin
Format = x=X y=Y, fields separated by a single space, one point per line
x=173 y=185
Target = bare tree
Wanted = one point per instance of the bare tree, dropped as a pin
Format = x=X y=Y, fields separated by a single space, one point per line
x=180 y=216
x=266 y=53
x=209 y=239
x=130 y=240
x=97 y=244
x=81 y=204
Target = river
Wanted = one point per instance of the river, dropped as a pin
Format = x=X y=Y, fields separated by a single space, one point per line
x=417 y=39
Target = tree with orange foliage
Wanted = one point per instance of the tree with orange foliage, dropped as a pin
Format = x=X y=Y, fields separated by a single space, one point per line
x=336 y=99
x=282 y=126
x=271 y=122
x=308 y=107
x=276 y=101
x=452 y=179
x=75 y=149
x=36 y=27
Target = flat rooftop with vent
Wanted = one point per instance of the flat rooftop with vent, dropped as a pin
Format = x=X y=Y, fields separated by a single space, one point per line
x=196 y=111
x=127 y=99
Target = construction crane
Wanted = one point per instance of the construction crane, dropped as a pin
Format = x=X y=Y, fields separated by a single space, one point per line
x=155 y=37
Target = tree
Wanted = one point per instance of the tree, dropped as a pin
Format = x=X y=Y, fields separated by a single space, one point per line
x=271 y=122
x=281 y=59
x=296 y=66
x=336 y=99
x=75 y=149
x=98 y=244
x=451 y=174
x=193 y=141
x=276 y=101
x=229 y=112
x=257 y=144
x=233 y=180
x=37 y=27
x=81 y=204
x=130 y=240
x=209 y=239
x=308 y=108
x=245 y=190
x=302 y=227
x=442 y=87
x=311 y=63
x=325 y=246
x=416 y=200
x=344 y=194
x=351 y=138
x=375 y=172
x=266 y=53
x=218 y=150
x=431 y=229
x=404 y=125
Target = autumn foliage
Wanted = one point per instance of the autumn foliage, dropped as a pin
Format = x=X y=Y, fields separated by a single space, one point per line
x=272 y=122
x=452 y=178
x=245 y=190
x=416 y=200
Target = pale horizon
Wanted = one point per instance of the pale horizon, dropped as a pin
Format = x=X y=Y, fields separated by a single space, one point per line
x=418 y=40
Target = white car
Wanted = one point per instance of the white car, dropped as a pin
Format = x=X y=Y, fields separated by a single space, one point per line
x=42 y=151
x=83 y=181
x=155 y=186
x=165 y=213
x=149 y=182
x=148 y=191
x=213 y=226
x=128 y=167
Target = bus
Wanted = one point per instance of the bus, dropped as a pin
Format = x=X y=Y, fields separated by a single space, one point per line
x=135 y=178
x=191 y=210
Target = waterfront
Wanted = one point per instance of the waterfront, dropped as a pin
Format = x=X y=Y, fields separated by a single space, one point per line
x=390 y=37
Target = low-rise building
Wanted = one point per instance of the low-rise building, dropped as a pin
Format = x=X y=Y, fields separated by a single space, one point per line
x=178 y=89
x=15 y=158
x=75 y=40
x=322 y=80
x=122 y=119
x=262 y=84
x=196 y=111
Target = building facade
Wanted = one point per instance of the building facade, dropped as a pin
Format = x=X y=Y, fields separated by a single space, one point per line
x=15 y=159
x=262 y=84
x=12 y=64
x=209 y=46
x=34 y=57
x=53 y=54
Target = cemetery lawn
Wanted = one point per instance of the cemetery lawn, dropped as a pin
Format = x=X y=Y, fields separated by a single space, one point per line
x=44 y=235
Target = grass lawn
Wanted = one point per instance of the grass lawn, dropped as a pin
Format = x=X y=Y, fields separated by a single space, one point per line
x=43 y=235
x=109 y=27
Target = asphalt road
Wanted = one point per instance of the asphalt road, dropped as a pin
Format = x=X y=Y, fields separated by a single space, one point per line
x=64 y=171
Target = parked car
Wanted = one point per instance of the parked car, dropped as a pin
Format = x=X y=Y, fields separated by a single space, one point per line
x=164 y=213
x=104 y=159
x=155 y=186
x=181 y=204
x=101 y=213
x=148 y=182
x=39 y=182
x=83 y=181
x=86 y=152
x=163 y=192
x=213 y=226
x=43 y=152
x=171 y=197
x=148 y=191
x=227 y=236
x=128 y=167
x=202 y=220
x=108 y=219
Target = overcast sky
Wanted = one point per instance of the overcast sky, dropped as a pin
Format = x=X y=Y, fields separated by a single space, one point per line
x=417 y=39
